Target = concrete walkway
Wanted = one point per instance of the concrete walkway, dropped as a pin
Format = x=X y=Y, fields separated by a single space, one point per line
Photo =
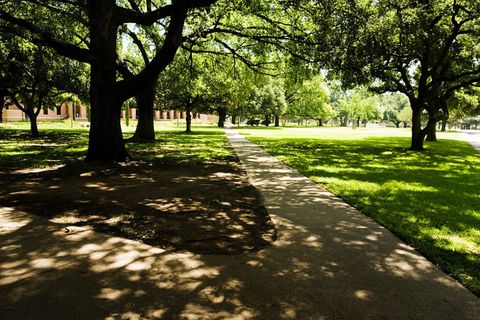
x=473 y=137
x=329 y=262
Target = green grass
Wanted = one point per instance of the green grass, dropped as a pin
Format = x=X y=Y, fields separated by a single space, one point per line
x=59 y=144
x=430 y=199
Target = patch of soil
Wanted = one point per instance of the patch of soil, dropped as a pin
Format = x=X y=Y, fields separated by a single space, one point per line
x=200 y=208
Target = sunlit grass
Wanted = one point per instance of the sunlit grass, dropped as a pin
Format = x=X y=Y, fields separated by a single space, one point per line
x=430 y=199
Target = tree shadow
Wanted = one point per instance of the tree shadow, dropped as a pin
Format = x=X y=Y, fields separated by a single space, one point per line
x=428 y=199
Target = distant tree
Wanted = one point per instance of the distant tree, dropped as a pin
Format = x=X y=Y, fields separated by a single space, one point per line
x=359 y=105
x=405 y=116
x=34 y=78
x=425 y=49
x=311 y=101
x=269 y=101
x=392 y=104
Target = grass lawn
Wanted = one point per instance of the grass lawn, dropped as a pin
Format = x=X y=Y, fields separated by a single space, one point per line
x=59 y=143
x=430 y=199
x=183 y=192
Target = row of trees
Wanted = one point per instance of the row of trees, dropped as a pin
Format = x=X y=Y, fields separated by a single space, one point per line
x=427 y=50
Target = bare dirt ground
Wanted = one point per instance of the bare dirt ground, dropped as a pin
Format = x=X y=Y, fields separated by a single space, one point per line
x=207 y=208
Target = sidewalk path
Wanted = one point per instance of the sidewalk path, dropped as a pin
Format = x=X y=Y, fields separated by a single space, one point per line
x=473 y=137
x=329 y=262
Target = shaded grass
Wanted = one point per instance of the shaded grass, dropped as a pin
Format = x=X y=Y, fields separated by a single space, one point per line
x=430 y=199
x=62 y=145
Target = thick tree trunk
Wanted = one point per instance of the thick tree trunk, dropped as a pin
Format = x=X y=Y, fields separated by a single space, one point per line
x=222 y=116
x=277 y=121
x=188 y=119
x=320 y=122
x=405 y=124
x=145 y=131
x=234 y=119
x=106 y=142
x=418 y=135
x=397 y=124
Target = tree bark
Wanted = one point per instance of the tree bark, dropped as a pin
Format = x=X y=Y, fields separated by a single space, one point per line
x=418 y=136
x=444 y=125
x=432 y=134
x=320 y=122
x=188 y=119
x=106 y=142
x=32 y=117
x=277 y=121
x=145 y=131
x=222 y=116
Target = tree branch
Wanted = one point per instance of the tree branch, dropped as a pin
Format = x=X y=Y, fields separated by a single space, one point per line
x=46 y=39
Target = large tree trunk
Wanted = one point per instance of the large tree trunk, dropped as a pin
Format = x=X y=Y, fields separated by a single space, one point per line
x=145 y=131
x=320 y=122
x=188 y=119
x=234 y=119
x=222 y=116
x=397 y=123
x=106 y=142
x=277 y=121
x=418 y=135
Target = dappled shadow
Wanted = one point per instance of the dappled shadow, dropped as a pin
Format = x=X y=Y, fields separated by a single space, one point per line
x=202 y=208
x=329 y=262
x=412 y=193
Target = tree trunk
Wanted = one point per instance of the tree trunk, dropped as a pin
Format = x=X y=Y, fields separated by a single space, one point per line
x=2 y=105
x=222 y=116
x=444 y=125
x=106 y=142
x=234 y=119
x=432 y=134
x=405 y=124
x=277 y=121
x=397 y=124
x=188 y=119
x=320 y=122
x=32 y=117
x=418 y=135
x=145 y=131
x=267 y=120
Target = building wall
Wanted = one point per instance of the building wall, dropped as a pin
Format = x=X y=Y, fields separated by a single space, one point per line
x=12 y=113
x=169 y=115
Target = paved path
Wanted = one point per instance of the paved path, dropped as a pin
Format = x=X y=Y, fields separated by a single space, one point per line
x=473 y=137
x=329 y=262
